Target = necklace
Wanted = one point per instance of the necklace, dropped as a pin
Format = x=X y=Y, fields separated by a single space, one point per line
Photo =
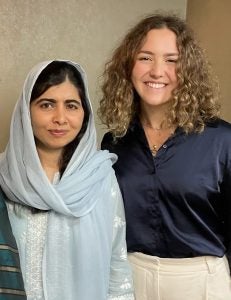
x=159 y=134
x=154 y=149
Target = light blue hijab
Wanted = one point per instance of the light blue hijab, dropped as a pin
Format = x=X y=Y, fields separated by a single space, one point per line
x=77 y=255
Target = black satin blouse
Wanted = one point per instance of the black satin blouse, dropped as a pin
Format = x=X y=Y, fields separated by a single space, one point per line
x=178 y=203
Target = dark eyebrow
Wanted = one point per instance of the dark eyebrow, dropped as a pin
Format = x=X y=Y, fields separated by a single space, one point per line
x=45 y=99
x=54 y=101
x=151 y=53
x=171 y=54
x=73 y=100
x=145 y=52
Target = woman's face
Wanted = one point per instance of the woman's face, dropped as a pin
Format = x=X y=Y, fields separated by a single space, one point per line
x=154 y=72
x=56 y=117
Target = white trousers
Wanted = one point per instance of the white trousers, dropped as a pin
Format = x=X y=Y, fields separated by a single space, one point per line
x=199 y=278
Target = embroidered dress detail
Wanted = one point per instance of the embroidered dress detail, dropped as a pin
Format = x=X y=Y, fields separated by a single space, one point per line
x=126 y=285
x=118 y=222
x=123 y=255
x=36 y=233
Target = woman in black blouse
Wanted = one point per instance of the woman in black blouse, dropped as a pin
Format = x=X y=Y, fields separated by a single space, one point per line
x=174 y=162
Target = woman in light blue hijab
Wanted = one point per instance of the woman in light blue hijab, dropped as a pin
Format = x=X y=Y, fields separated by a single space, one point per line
x=65 y=206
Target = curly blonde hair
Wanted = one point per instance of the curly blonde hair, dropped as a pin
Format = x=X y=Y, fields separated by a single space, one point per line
x=194 y=101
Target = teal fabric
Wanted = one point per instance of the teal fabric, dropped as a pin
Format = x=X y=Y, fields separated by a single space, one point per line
x=11 y=282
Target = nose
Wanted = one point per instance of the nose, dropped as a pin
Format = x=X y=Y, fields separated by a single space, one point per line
x=59 y=116
x=157 y=69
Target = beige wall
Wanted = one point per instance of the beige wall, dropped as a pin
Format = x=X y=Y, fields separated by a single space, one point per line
x=211 y=21
x=82 y=30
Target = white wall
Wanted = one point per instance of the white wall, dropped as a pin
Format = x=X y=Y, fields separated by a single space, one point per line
x=82 y=30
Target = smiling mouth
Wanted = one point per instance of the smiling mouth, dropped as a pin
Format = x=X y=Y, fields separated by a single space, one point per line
x=58 y=132
x=155 y=85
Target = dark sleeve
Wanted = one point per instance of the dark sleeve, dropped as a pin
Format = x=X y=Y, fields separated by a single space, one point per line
x=11 y=282
x=226 y=190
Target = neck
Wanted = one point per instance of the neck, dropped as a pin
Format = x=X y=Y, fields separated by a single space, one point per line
x=154 y=120
x=155 y=116
x=49 y=162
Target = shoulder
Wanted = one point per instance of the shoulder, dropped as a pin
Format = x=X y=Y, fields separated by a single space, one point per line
x=217 y=136
x=108 y=136
x=114 y=145
x=224 y=125
x=134 y=131
x=219 y=128
x=107 y=140
x=110 y=142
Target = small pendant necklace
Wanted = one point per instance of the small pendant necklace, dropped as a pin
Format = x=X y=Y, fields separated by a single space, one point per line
x=154 y=147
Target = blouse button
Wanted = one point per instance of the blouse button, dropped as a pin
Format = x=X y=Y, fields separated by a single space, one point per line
x=164 y=146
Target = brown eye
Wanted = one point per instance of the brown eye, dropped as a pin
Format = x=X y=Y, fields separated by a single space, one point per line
x=172 y=60
x=144 y=58
x=47 y=105
x=72 y=106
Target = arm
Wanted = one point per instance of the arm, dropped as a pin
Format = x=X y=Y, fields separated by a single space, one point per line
x=121 y=285
x=226 y=190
